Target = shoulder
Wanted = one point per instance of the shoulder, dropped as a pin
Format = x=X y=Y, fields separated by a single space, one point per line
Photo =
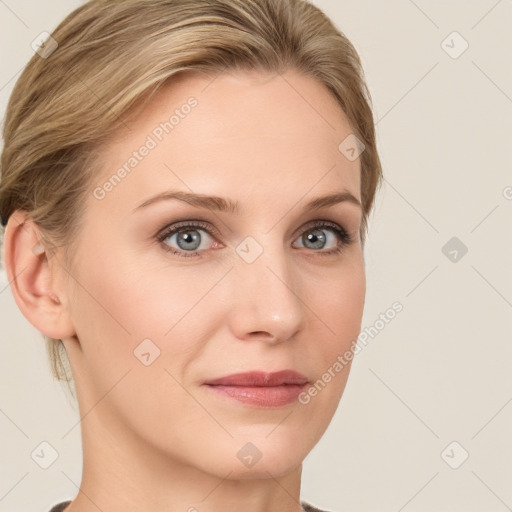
x=310 y=508
x=60 y=506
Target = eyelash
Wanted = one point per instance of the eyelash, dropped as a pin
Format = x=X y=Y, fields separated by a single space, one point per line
x=346 y=238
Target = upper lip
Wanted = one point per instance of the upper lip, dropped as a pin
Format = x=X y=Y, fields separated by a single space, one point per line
x=260 y=378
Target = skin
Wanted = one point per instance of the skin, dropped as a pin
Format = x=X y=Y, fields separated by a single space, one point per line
x=153 y=437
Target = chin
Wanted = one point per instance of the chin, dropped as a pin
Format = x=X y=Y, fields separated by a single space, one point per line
x=261 y=455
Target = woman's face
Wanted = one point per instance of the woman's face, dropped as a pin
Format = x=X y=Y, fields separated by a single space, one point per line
x=260 y=289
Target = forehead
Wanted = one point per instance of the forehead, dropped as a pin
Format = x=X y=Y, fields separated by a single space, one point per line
x=230 y=134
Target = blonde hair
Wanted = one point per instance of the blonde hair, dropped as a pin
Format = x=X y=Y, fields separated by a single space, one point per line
x=111 y=58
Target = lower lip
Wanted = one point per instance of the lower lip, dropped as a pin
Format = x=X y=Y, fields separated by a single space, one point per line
x=268 y=396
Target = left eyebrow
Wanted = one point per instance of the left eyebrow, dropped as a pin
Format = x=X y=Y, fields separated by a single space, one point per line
x=332 y=199
x=222 y=204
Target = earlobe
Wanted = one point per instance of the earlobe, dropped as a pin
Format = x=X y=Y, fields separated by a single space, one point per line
x=33 y=285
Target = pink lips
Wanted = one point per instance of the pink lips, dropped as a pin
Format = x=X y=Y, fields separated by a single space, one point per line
x=259 y=388
x=258 y=378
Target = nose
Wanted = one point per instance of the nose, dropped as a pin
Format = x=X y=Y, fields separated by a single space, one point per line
x=268 y=300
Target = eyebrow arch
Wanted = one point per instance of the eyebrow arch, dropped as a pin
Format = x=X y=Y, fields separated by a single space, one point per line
x=221 y=204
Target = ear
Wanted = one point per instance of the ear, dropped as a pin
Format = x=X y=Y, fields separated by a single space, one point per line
x=33 y=280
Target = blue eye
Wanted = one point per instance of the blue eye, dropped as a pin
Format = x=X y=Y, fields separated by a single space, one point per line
x=315 y=234
x=189 y=239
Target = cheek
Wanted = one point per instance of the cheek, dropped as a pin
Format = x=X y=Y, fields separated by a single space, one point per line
x=338 y=301
x=125 y=301
x=118 y=308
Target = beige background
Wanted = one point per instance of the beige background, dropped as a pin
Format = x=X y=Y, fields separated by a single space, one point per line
x=440 y=371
